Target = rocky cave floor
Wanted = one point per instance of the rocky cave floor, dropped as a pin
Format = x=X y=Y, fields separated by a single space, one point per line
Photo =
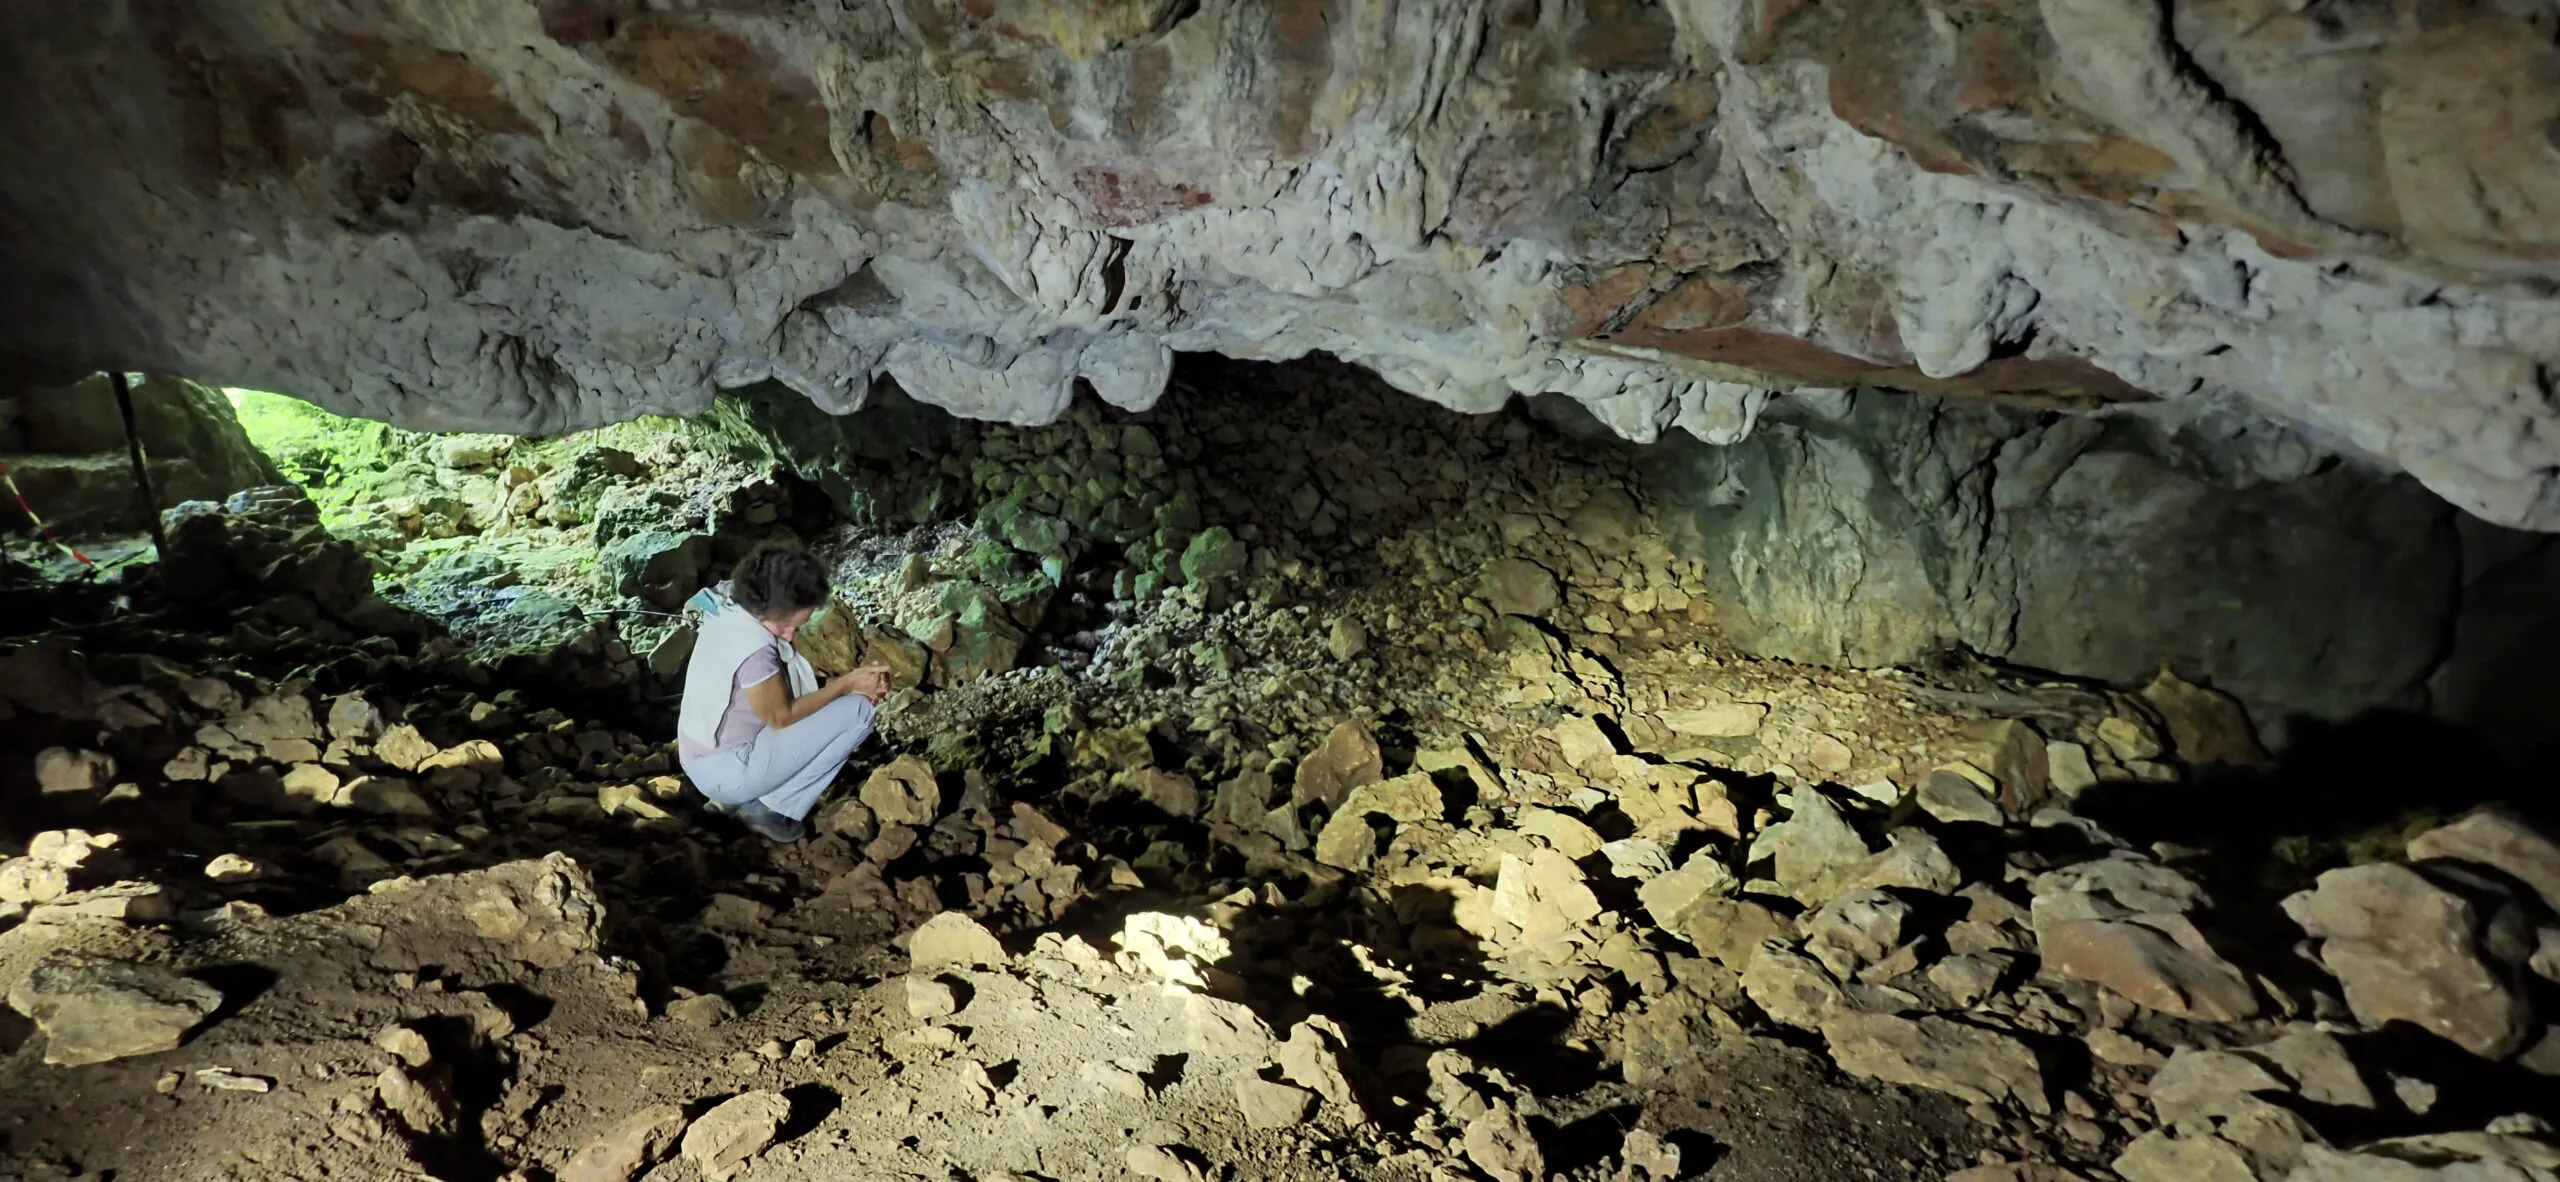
x=1291 y=782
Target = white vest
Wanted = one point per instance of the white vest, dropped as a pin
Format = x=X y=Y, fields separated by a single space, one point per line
x=727 y=636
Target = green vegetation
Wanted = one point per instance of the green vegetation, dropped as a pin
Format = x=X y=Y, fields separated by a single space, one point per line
x=314 y=448
x=339 y=461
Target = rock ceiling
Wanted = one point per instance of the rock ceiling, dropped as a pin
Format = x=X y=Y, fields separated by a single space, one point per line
x=2312 y=229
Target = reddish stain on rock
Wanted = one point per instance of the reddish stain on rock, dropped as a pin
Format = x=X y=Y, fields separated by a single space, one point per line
x=635 y=142
x=583 y=22
x=1699 y=302
x=235 y=117
x=1302 y=60
x=1143 y=117
x=910 y=156
x=1623 y=35
x=721 y=78
x=1129 y=199
x=1009 y=77
x=1591 y=307
x=717 y=172
x=441 y=77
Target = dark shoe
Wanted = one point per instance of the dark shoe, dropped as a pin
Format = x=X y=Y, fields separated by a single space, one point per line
x=770 y=825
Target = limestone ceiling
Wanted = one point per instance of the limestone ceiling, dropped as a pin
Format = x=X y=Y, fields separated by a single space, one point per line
x=2323 y=227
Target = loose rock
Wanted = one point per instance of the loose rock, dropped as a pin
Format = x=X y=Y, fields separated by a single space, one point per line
x=622 y=1152
x=2408 y=949
x=952 y=940
x=93 y=1010
x=1968 y=1062
x=1268 y=1105
x=722 y=1141
x=61 y=769
x=1500 y=1144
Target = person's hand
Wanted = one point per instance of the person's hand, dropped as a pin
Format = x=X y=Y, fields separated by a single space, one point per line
x=870 y=681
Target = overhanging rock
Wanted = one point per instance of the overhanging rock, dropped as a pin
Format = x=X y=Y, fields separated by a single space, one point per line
x=499 y=214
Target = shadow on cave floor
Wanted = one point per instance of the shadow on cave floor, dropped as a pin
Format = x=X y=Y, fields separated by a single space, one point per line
x=2341 y=793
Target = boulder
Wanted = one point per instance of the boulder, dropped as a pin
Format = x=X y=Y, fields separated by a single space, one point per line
x=1348 y=759
x=1582 y=741
x=1213 y=553
x=2318 y=1067
x=2160 y=962
x=2502 y=842
x=1959 y=793
x=1312 y=1058
x=657 y=566
x=1347 y=638
x=2122 y=921
x=1912 y=860
x=2068 y=764
x=2163 y=1156
x=1165 y=1163
x=984 y=642
x=1973 y=1064
x=1268 y=1105
x=2198 y=1085
x=1499 y=1143
x=353 y=719
x=1816 y=854
x=1792 y=988
x=952 y=940
x=1172 y=793
x=2014 y=756
x=93 y=1010
x=2441 y=1157
x=1639 y=858
x=421 y=1101
x=1217 y=1029
x=621 y=1152
x=1518 y=587
x=62 y=769
x=903 y=792
x=2207 y=728
x=1347 y=840
x=1730 y=932
x=722 y=1141
x=1567 y=834
x=929 y=999
x=402 y=747
x=703 y=1010
x=1645 y=1157
x=2406 y=948
x=1855 y=930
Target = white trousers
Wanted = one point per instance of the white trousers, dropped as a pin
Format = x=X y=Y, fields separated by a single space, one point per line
x=786 y=770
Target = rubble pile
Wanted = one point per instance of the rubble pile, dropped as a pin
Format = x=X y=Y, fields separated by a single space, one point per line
x=1441 y=842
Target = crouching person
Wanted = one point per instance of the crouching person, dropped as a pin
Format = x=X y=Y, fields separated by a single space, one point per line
x=757 y=734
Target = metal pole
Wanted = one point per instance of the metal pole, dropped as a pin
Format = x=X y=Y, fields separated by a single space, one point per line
x=141 y=474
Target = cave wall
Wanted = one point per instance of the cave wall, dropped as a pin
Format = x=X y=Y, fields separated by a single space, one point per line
x=2336 y=225
x=65 y=448
x=1879 y=528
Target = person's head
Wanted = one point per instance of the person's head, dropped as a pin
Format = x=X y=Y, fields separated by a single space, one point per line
x=779 y=585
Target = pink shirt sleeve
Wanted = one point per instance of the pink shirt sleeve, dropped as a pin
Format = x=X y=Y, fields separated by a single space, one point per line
x=763 y=663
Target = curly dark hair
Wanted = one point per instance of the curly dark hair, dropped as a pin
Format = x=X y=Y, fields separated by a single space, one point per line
x=775 y=579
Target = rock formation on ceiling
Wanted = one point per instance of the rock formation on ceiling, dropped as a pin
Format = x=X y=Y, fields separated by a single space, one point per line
x=2322 y=229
